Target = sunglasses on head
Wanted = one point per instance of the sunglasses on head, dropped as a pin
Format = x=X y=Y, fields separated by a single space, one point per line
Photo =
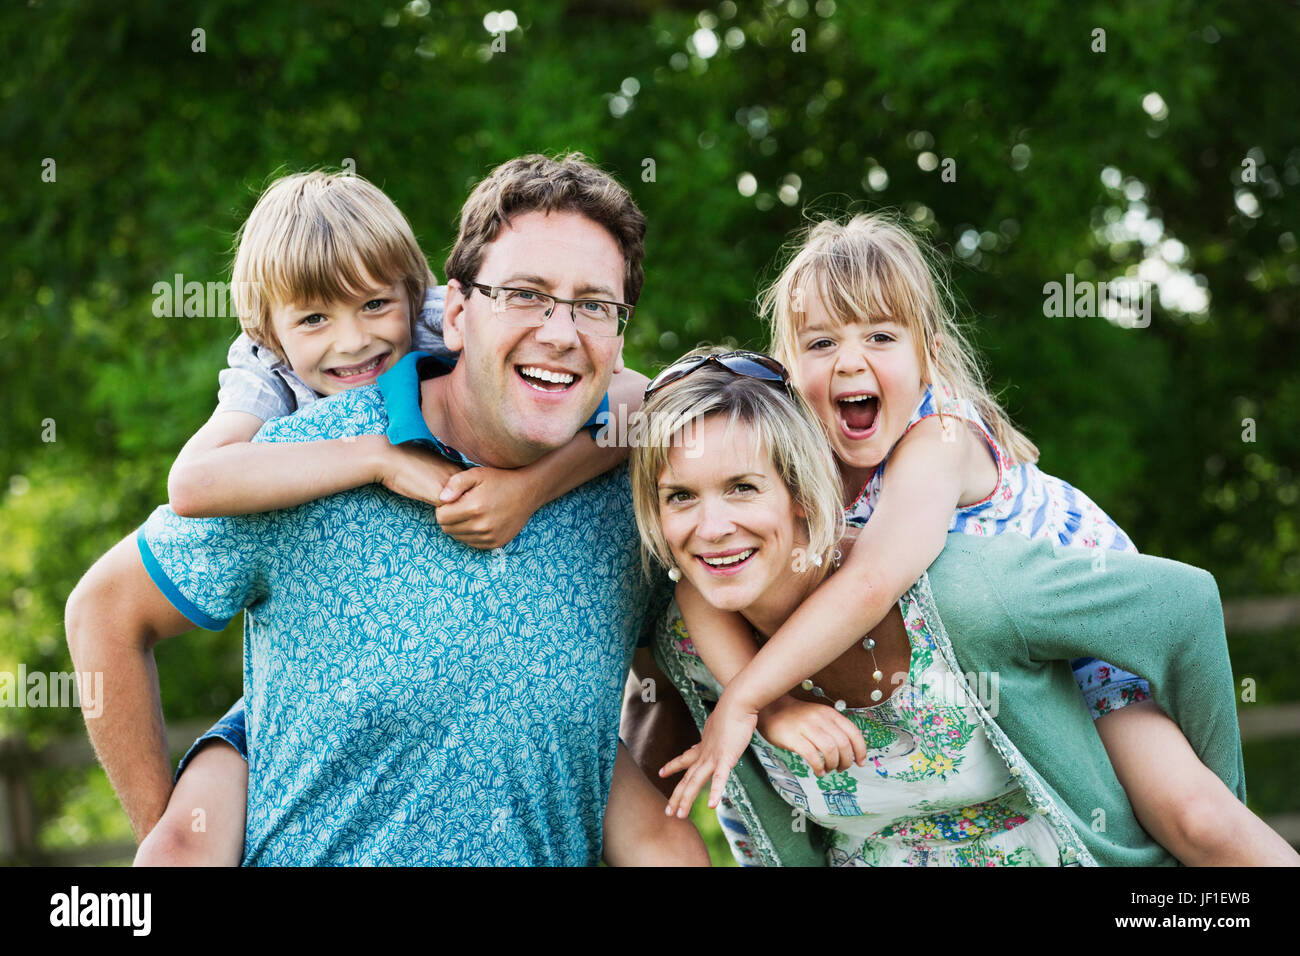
x=747 y=364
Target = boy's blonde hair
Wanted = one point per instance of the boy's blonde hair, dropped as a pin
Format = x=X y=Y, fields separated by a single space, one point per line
x=784 y=425
x=310 y=237
x=871 y=268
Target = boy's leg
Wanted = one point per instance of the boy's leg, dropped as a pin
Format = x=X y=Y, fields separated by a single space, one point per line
x=1181 y=802
x=204 y=821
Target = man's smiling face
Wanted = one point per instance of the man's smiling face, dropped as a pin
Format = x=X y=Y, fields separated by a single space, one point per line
x=529 y=390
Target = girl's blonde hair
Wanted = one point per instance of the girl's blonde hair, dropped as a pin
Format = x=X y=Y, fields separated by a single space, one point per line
x=309 y=237
x=871 y=268
x=784 y=426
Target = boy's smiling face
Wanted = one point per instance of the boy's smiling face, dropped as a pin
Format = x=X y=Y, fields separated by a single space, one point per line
x=334 y=346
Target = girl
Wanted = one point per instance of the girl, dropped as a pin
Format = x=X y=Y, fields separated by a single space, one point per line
x=869 y=336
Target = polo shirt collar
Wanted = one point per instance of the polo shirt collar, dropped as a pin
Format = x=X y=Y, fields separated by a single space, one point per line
x=400 y=388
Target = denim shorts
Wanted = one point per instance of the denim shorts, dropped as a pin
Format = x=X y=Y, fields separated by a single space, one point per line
x=229 y=728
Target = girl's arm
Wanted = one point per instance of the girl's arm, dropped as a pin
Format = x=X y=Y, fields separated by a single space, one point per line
x=726 y=645
x=724 y=639
x=906 y=532
x=928 y=477
x=487 y=507
x=221 y=471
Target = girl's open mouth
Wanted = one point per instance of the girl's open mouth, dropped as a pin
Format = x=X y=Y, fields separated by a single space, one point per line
x=726 y=562
x=858 y=415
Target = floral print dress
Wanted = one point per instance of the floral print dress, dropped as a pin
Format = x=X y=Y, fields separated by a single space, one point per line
x=934 y=790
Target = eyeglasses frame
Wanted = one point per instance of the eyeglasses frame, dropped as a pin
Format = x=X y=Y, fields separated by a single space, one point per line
x=491 y=292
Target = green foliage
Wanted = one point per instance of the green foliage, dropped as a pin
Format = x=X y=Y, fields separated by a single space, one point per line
x=161 y=151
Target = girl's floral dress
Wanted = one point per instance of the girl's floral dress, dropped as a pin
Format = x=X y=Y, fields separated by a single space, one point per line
x=1029 y=502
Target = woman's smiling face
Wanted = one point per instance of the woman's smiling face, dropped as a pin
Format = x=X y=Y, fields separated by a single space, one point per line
x=728 y=518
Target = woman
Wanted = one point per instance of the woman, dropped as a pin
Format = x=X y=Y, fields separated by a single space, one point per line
x=983 y=754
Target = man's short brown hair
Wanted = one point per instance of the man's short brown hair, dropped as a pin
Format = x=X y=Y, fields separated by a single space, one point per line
x=537 y=183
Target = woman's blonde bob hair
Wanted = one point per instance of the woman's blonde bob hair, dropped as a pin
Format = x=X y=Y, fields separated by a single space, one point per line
x=871 y=268
x=782 y=424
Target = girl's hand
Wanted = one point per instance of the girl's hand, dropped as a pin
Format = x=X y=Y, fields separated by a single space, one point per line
x=486 y=507
x=414 y=472
x=821 y=735
x=727 y=733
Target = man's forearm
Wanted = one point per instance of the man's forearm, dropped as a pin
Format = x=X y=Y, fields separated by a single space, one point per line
x=127 y=733
x=114 y=618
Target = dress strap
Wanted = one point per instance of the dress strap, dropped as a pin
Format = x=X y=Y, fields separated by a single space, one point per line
x=942 y=403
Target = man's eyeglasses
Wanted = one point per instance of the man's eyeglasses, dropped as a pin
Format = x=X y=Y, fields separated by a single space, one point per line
x=529 y=308
x=748 y=364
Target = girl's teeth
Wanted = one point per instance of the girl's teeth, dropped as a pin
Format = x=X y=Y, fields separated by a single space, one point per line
x=729 y=559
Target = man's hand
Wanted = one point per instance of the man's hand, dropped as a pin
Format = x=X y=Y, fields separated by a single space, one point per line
x=486 y=507
x=727 y=733
x=414 y=472
x=821 y=735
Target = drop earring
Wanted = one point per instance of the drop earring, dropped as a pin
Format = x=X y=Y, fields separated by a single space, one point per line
x=674 y=574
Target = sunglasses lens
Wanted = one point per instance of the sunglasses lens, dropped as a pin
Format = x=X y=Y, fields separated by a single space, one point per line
x=672 y=373
x=748 y=364
x=755 y=367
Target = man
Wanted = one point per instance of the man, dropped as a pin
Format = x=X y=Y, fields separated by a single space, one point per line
x=411 y=700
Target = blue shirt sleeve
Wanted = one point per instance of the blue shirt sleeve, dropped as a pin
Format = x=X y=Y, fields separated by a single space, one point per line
x=210 y=569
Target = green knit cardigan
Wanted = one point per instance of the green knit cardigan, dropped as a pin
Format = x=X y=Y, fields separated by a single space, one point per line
x=1022 y=610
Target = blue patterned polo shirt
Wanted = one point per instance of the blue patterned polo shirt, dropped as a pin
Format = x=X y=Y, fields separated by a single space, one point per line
x=412 y=700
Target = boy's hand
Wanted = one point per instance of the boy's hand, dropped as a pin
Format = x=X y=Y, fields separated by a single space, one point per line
x=821 y=735
x=486 y=507
x=414 y=472
x=726 y=734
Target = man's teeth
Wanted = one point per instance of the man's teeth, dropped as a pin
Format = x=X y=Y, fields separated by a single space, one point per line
x=729 y=559
x=559 y=378
x=358 y=369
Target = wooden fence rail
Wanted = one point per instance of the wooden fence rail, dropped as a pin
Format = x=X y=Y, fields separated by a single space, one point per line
x=19 y=826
